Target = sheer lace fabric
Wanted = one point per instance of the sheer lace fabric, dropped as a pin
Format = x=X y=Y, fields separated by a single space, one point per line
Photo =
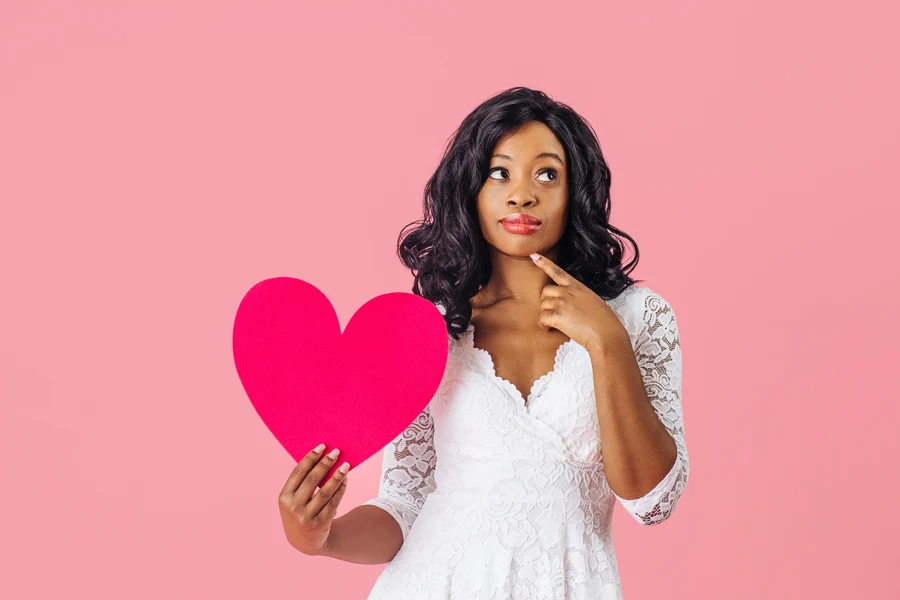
x=497 y=497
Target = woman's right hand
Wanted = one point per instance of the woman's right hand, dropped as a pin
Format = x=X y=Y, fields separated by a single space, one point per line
x=306 y=514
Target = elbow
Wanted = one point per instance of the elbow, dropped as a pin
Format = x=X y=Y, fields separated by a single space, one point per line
x=658 y=514
x=652 y=513
x=404 y=514
x=658 y=505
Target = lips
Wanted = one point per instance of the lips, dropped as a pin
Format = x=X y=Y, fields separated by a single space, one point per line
x=521 y=219
x=521 y=223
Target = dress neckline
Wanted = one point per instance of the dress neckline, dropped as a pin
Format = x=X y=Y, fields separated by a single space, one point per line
x=488 y=362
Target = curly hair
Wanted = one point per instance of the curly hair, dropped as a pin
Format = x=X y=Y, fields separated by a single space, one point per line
x=445 y=249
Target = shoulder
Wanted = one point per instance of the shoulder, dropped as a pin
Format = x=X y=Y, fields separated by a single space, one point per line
x=642 y=310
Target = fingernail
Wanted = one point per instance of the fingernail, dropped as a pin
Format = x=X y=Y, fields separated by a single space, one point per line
x=334 y=453
x=344 y=468
x=535 y=256
x=319 y=448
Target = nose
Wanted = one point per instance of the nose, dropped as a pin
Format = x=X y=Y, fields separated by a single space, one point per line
x=522 y=199
x=521 y=193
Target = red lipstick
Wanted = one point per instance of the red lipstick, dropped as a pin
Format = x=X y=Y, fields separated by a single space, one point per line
x=520 y=223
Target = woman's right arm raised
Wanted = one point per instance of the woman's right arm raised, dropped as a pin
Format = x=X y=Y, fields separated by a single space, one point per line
x=364 y=535
x=373 y=532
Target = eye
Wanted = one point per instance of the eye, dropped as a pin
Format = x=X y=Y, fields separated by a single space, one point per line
x=544 y=172
x=549 y=171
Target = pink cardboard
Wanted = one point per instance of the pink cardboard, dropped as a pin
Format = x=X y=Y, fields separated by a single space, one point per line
x=354 y=391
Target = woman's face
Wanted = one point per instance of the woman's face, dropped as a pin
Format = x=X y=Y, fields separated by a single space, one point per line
x=527 y=176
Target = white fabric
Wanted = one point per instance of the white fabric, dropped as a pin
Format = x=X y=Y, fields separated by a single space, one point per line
x=499 y=498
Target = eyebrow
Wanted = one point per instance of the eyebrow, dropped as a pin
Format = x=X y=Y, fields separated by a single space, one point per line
x=552 y=155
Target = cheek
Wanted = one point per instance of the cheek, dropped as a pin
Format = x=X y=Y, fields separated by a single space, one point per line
x=558 y=226
x=486 y=211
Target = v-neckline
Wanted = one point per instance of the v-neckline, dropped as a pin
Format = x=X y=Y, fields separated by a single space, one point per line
x=522 y=402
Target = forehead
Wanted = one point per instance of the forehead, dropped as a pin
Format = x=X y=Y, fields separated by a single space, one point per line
x=528 y=140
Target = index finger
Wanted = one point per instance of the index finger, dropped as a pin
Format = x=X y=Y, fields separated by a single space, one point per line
x=302 y=469
x=555 y=272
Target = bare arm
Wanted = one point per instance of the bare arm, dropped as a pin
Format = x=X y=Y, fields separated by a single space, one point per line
x=373 y=532
x=366 y=535
x=640 y=411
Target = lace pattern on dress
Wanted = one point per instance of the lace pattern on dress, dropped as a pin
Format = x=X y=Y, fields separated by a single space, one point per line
x=408 y=472
x=658 y=353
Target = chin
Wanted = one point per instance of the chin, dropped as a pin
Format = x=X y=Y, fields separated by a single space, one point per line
x=520 y=250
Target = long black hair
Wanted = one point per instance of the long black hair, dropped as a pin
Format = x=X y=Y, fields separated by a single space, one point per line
x=445 y=249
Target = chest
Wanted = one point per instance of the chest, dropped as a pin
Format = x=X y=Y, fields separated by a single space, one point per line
x=541 y=410
x=520 y=356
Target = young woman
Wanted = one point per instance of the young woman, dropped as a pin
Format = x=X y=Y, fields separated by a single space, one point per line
x=562 y=392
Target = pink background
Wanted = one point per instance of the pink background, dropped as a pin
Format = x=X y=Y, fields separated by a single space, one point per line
x=157 y=159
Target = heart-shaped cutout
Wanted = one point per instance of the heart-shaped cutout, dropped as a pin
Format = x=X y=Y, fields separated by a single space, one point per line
x=354 y=391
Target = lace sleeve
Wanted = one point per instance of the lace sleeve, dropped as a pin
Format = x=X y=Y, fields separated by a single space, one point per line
x=658 y=353
x=407 y=472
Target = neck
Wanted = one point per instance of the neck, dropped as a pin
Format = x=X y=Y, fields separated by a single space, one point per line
x=515 y=278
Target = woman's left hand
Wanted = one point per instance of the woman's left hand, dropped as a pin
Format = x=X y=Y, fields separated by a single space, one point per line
x=574 y=309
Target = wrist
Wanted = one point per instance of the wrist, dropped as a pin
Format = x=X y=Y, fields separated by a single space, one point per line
x=329 y=544
x=604 y=350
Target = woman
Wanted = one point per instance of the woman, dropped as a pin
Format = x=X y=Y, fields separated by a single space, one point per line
x=501 y=487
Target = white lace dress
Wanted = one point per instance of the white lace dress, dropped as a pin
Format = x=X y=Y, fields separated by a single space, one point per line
x=501 y=498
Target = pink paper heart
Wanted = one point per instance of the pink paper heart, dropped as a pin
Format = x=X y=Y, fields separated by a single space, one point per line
x=354 y=391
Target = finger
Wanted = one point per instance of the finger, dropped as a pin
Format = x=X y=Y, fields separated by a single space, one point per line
x=301 y=470
x=326 y=491
x=552 y=291
x=550 y=303
x=555 y=272
x=312 y=479
x=548 y=319
x=330 y=509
